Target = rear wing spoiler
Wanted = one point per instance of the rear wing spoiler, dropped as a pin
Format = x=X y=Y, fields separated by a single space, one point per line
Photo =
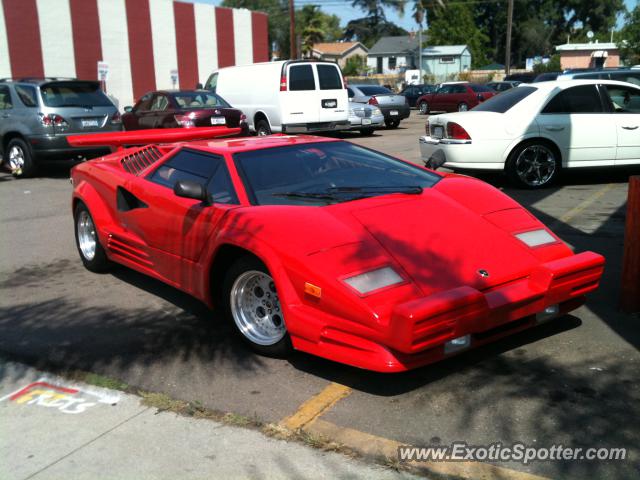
x=118 y=140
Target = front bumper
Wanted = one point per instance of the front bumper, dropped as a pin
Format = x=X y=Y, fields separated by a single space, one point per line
x=315 y=127
x=418 y=330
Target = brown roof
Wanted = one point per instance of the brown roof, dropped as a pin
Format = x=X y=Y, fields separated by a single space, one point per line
x=335 y=48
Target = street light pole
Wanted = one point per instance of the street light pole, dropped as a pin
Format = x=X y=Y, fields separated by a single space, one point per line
x=292 y=31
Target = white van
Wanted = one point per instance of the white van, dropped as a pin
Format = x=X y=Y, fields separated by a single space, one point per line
x=293 y=96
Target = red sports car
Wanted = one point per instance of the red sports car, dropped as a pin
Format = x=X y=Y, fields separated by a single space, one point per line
x=327 y=247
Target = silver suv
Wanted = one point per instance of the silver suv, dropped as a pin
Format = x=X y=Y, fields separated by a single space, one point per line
x=37 y=115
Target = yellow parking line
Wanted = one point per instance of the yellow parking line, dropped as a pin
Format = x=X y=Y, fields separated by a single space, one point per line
x=581 y=206
x=374 y=446
x=316 y=406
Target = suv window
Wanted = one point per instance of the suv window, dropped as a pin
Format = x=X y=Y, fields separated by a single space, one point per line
x=205 y=168
x=329 y=77
x=27 y=95
x=301 y=78
x=624 y=99
x=444 y=89
x=505 y=100
x=580 y=99
x=74 y=95
x=5 y=98
x=458 y=89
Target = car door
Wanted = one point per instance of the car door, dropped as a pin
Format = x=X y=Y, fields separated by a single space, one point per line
x=576 y=121
x=6 y=107
x=625 y=109
x=459 y=95
x=160 y=108
x=440 y=98
x=144 y=117
x=176 y=229
x=300 y=102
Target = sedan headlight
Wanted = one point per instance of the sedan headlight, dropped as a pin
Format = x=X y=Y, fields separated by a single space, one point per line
x=535 y=238
x=374 y=280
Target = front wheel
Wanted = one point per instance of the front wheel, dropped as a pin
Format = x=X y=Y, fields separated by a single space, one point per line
x=91 y=252
x=262 y=128
x=533 y=165
x=253 y=304
x=423 y=107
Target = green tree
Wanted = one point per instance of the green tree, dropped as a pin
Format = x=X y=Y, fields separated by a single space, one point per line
x=309 y=23
x=355 y=66
x=629 y=37
x=374 y=25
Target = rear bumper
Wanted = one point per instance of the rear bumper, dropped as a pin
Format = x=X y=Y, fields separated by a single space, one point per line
x=462 y=153
x=315 y=127
x=366 y=122
x=418 y=330
x=56 y=147
x=403 y=112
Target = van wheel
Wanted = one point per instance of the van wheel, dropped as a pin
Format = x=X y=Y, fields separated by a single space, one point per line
x=19 y=158
x=263 y=128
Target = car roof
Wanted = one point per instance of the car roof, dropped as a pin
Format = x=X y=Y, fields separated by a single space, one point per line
x=245 y=144
x=563 y=84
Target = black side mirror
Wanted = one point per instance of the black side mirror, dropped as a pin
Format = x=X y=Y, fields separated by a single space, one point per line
x=128 y=109
x=198 y=86
x=191 y=189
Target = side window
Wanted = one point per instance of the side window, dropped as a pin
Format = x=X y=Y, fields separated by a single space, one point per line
x=350 y=93
x=27 y=95
x=144 y=103
x=444 y=89
x=581 y=99
x=160 y=103
x=329 y=77
x=632 y=77
x=301 y=78
x=205 y=168
x=5 y=98
x=624 y=99
x=459 y=89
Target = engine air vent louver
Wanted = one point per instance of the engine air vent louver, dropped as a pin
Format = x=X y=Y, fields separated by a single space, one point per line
x=140 y=159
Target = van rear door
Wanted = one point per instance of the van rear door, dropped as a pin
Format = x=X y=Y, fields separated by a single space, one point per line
x=314 y=93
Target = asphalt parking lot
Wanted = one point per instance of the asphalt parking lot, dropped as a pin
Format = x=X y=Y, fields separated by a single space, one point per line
x=575 y=381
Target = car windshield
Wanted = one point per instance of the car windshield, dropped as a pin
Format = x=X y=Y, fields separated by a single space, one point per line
x=74 y=95
x=326 y=173
x=374 y=90
x=505 y=100
x=199 y=100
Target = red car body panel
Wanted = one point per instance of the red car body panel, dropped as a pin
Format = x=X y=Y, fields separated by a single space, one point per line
x=449 y=102
x=436 y=241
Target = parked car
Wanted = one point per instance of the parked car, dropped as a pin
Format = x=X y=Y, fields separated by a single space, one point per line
x=327 y=247
x=452 y=96
x=37 y=115
x=629 y=75
x=293 y=96
x=365 y=118
x=535 y=130
x=182 y=108
x=502 y=86
x=522 y=77
x=413 y=92
x=394 y=107
x=546 y=77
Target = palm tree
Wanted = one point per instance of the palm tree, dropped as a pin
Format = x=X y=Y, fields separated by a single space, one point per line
x=312 y=32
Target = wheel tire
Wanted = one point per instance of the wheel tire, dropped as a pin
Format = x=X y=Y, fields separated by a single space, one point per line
x=262 y=128
x=392 y=123
x=423 y=107
x=463 y=107
x=536 y=172
x=19 y=158
x=366 y=131
x=245 y=272
x=85 y=232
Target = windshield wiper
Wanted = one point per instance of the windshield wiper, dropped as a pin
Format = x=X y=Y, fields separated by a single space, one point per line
x=408 y=189
x=307 y=195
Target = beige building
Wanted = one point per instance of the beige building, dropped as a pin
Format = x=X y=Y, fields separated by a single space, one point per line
x=588 y=55
x=338 y=51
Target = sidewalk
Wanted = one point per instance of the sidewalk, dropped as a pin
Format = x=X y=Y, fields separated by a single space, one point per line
x=51 y=428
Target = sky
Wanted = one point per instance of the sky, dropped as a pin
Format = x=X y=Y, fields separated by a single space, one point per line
x=344 y=10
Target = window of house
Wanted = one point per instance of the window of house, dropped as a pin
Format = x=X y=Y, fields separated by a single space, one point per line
x=379 y=65
x=446 y=60
x=392 y=63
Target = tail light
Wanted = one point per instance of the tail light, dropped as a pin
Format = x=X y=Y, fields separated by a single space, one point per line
x=116 y=119
x=243 y=119
x=185 y=120
x=456 y=132
x=427 y=128
x=53 y=120
x=373 y=101
x=283 y=82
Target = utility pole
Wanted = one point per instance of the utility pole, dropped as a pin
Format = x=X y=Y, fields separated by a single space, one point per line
x=292 y=31
x=420 y=53
x=507 y=56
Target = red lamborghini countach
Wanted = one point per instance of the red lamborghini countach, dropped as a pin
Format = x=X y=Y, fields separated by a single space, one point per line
x=323 y=246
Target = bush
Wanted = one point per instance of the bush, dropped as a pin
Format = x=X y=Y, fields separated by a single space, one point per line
x=355 y=66
x=553 y=65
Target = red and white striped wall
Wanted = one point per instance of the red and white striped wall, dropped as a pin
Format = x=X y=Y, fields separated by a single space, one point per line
x=141 y=40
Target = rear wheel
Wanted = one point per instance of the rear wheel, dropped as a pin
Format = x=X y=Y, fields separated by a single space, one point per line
x=252 y=303
x=392 y=123
x=366 y=131
x=463 y=107
x=533 y=164
x=19 y=158
x=423 y=107
x=262 y=128
x=91 y=252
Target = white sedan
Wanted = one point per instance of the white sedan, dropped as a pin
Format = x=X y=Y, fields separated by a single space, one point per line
x=534 y=130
